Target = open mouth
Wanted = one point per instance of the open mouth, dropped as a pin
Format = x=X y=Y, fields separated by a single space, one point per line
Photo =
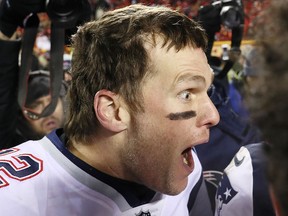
x=50 y=124
x=188 y=158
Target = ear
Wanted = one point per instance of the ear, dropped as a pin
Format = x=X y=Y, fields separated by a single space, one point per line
x=109 y=111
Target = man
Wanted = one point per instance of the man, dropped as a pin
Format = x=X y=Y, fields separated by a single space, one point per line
x=19 y=125
x=138 y=105
x=29 y=124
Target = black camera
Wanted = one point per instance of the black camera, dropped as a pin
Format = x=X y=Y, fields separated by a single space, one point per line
x=64 y=13
x=231 y=12
x=65 y=16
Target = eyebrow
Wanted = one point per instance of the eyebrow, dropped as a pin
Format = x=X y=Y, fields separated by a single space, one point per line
x=197 y=80
x=191 y=77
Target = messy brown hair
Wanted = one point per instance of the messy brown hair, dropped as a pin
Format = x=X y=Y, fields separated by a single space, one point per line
x=109 y=53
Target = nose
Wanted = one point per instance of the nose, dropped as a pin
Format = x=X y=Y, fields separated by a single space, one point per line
x=209 y=114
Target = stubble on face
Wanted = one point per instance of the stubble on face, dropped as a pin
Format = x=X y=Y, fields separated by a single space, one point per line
x=146 y=156
x=157 y=138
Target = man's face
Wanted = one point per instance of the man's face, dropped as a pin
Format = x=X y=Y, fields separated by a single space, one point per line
x=178 y=114
x=45 y=125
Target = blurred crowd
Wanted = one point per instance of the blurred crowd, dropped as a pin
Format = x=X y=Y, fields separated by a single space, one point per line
x=235 y=129
x=252 y=10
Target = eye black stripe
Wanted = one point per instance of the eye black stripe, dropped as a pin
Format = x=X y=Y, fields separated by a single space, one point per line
x=181 y=115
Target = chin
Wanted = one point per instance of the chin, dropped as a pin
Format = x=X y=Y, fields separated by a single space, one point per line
x=49 y=129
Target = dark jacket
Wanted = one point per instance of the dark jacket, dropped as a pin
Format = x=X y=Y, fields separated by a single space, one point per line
x=12 y=123
x=9 y=52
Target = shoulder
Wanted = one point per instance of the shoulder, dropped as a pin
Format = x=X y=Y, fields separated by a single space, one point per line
x=21 y=162
x=21 y=170
x=243 y=189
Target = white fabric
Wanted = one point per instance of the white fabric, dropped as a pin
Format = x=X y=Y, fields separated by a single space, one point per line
x=57 y=187
x=234 y=196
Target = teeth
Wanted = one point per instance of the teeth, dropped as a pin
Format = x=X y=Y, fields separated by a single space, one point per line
x=184 y=159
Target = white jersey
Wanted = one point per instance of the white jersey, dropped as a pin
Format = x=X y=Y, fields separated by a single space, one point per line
x=44 y=178
x=243 y=189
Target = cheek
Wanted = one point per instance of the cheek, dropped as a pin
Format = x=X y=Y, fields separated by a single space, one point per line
x=170 y=116
x=35 y=124
x=59 y=113
x=158 y=124
x=168 y=136
x=155 y=144
x=180 y=129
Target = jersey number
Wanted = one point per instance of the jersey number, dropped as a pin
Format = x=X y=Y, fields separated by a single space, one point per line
x=20 y=167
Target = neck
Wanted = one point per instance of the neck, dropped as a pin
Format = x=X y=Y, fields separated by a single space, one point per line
x=102 y=155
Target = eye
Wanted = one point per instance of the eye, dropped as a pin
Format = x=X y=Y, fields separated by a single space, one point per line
x=33 y=105
x=185 y=95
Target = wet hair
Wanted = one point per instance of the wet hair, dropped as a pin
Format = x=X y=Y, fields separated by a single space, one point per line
x=110 y=53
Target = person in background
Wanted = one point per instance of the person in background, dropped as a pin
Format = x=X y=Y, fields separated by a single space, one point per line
x=268 y=104
x=138 y=104
x=30 y=126
x=17 y=124
x=251 y=72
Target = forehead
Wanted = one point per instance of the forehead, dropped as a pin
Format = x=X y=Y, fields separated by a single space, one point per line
x=187 y=63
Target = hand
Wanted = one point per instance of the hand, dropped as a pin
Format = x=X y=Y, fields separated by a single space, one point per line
x=14 y=12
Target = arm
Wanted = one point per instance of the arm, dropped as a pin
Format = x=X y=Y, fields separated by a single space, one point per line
x=9 y=52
